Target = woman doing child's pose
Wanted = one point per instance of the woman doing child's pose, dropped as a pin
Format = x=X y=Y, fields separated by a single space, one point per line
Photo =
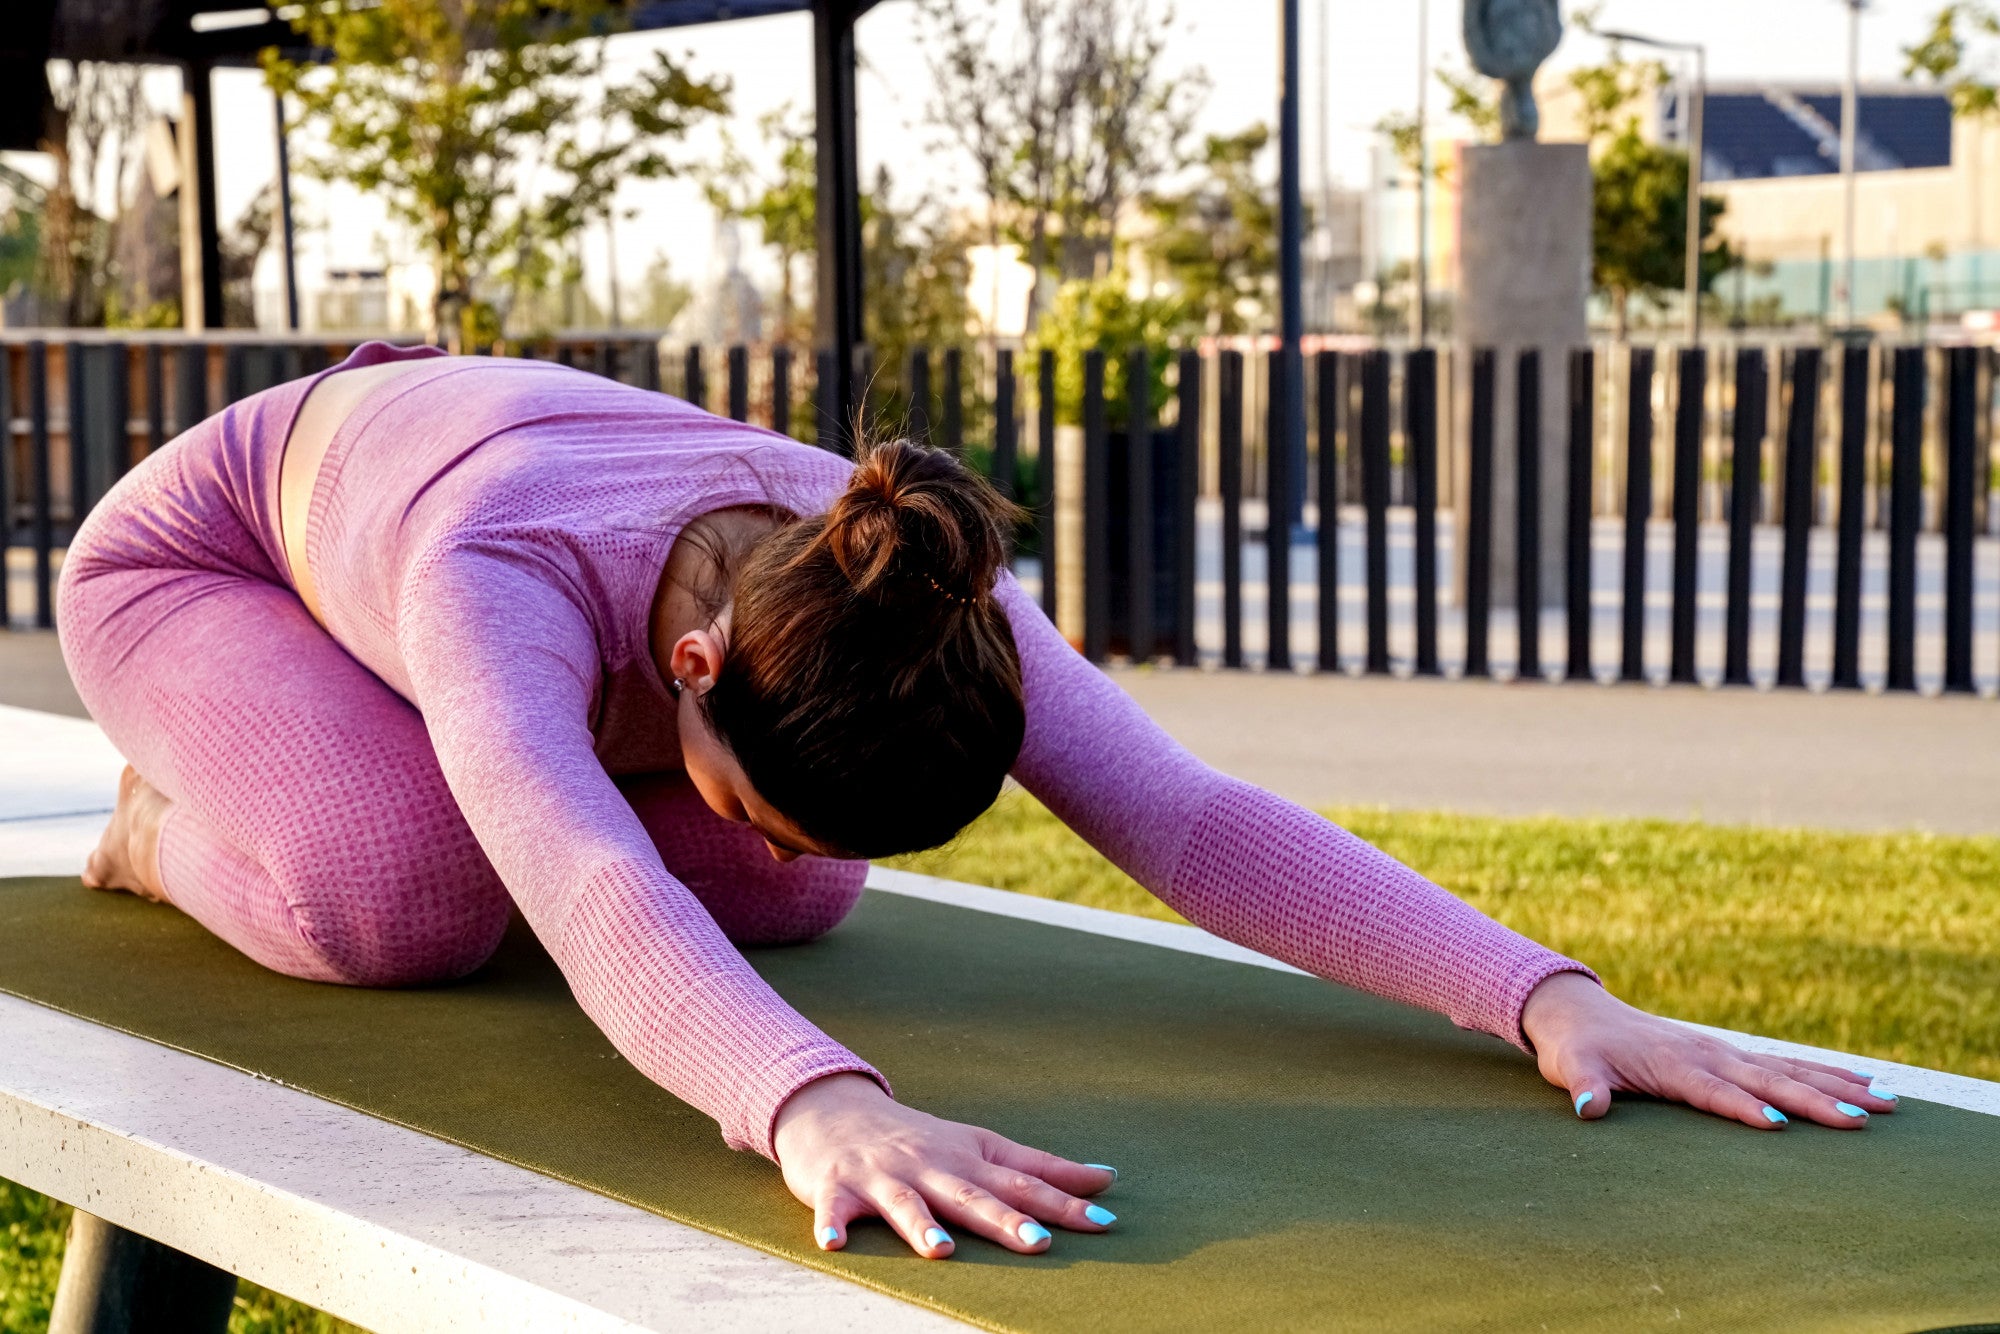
x=398 y=648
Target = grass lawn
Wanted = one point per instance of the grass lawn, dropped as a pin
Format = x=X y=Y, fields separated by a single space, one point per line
x=1886 y=945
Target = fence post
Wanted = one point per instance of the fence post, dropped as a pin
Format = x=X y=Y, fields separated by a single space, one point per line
x=1906 y=480
x=1096 y=511
x=1479 y=516
x=739 y=383
x=1961 y=477
x=1801 y=463
x=156 y=398
x=1853 y=519
x=42 y=482
x=1006 y=429
x=1045 y=474
x=1420 y=432
x=954 y=400
x=1746 y=489
x=694 y=386
x=919 y=421
x=1576 y=535
x=6 y=478
x=1528 y=514
x=1229 y=400
x=1691 y=393
x=606 y=359
x=1277 y=522
x=781 y=389
x=1187 y=484
x=1330 y=391
x=826 y=429
x=1139 y=506
x=1375 y=499
x=1638 y=511
x=76 y=432
x=648 y=353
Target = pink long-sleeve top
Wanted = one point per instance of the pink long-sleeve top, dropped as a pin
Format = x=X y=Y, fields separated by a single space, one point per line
x=487 y=538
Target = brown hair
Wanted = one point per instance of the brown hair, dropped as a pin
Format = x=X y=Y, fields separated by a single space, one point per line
x=871 y=689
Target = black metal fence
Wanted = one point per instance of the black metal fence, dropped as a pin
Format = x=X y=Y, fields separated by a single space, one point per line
x=1832 y=504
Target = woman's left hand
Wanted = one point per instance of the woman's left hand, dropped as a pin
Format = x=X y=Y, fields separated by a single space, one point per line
x=1592 y=1044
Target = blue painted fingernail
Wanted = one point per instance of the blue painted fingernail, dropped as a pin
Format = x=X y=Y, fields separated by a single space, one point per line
x=828 y=1236
x=1883 y=1094
x=935 y=1237
x=1099 y=1215
x=1581 y=1099
x=1848 y=1109
x=1033 y=1233
x=1774 y=1116
x=1105 y=1167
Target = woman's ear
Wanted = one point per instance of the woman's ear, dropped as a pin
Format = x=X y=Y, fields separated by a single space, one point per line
x=697 y=659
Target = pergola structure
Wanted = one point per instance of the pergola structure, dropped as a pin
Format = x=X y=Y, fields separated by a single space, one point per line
x=198 y=35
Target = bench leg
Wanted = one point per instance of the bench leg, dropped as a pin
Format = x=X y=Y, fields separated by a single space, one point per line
x=118 y=1282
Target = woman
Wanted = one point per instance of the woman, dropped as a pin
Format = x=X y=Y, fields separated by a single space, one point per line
x=398 y=647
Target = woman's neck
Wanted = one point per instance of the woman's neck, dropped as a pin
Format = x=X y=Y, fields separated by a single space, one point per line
x=694 y=586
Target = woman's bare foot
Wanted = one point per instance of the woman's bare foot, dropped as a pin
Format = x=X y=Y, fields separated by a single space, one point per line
x=128 y=856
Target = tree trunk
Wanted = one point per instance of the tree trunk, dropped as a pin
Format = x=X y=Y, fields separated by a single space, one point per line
x=1621 y=305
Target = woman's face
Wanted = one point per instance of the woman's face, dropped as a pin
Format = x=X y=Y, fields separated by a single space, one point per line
x=726 y=788
x=694 y=662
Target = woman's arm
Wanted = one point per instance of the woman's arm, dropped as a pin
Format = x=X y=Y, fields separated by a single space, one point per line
x=504 y=668
x=1262 y=872
x=1251 y=867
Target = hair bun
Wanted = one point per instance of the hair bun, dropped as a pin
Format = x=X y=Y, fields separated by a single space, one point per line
x=916 y=523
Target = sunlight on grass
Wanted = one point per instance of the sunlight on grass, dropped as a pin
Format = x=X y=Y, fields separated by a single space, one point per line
x=1882 y=944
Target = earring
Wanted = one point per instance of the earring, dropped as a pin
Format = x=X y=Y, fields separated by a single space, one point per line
x=676 y=688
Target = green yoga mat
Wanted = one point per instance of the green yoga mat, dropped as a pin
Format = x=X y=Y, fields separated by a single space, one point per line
x=1293 y=1156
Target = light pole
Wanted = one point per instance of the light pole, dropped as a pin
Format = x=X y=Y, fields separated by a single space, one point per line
x=1420 y=322
x=1696 y=96
x=1850 y=119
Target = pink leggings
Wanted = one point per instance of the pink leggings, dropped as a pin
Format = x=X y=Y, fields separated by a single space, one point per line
x=311 y=826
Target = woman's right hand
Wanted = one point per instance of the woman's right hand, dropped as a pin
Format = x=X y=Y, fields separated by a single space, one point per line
x=850 y=1151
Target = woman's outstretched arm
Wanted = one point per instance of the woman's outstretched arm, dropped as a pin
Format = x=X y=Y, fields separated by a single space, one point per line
x=504 y=668
x=1265 y=873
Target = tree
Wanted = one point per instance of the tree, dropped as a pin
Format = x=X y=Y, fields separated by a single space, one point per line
x=1217 y=239
x=1069 y=116
x=782 y=202
x=92 y=137
x=915 y=278
x=1102 y=313
x=494 y=129
x=1942 y=57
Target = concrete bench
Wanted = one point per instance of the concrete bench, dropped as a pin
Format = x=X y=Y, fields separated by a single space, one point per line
x=230 y=1175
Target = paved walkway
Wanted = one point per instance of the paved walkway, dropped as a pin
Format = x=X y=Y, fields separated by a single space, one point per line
x=1729 y=756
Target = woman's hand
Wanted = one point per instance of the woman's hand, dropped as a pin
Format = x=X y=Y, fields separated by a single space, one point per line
x=1591 y=1043
x=850 y=1151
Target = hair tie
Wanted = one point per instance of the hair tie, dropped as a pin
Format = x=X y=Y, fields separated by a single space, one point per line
x=947 y=596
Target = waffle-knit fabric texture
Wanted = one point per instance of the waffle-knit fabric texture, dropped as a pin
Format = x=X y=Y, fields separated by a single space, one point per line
x=484 y=725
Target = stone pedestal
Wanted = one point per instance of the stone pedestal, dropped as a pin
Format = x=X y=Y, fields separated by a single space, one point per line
x=1524 y=279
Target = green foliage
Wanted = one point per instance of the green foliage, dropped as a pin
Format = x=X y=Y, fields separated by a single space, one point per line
x=20 y=248
x=493 y=128
x=1942 y=57
x=1102 y=314
x=1474 y=101
x=915 y=275
x=1882 y=944
x=782 y=203
x=1639 y=221
x=31 y=1247
x=1217 y=240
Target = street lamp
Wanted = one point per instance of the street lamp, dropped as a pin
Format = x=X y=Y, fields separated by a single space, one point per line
x=1695 y=99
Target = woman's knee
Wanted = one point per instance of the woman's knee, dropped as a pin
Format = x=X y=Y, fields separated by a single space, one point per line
x=789 y=903
x=414 y=909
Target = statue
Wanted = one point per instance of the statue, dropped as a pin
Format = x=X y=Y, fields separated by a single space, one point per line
x=1508 y=40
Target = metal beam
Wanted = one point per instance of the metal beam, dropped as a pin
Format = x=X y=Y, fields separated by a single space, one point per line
x=838 y=314
x=201 y=239
x=1291 y=415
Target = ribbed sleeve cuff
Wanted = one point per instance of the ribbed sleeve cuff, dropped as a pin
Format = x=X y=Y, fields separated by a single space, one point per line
x=767 y=1091
x=1533 y=972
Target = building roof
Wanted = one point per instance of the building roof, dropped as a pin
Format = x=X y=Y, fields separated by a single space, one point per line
x=1757 y=131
